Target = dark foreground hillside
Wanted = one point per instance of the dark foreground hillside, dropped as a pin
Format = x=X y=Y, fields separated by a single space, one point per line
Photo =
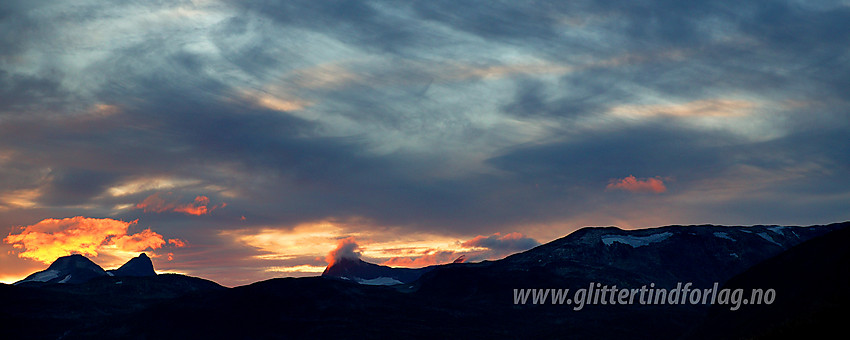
x=812 y=282
x=50 y=312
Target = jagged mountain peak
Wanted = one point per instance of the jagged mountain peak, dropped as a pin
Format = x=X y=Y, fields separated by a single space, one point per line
x=77 y=268
x=137 y=266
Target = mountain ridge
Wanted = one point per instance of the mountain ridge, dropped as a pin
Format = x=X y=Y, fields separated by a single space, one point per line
x=721 y=251
x=364 y=272
x=76 y=269
x=462 y=299
x=729 y=249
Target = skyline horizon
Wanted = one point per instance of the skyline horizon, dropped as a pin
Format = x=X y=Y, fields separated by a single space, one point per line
x=358 y=256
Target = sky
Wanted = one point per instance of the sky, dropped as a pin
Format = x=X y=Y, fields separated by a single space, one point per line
x=245 y=140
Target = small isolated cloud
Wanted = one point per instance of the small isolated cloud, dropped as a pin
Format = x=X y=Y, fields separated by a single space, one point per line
x=51 y=238
x=346 y=248
x=157 y=204
x=642 y=185
x=177 y=242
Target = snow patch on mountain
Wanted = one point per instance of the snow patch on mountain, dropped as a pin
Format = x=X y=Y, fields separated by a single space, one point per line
x=45 y=276
x=777 y=230
x=767 y=237
x=635 y=241
x=721 y=234
x=380 y=281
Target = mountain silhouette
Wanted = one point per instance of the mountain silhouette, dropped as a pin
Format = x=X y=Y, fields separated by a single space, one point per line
x=137 y=266
x=76 y=268
x=66 y=269
x=475 y=300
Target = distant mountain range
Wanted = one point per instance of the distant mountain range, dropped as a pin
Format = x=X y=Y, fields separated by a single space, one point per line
x=357 y=299
x=702 y=254
x=77 y=268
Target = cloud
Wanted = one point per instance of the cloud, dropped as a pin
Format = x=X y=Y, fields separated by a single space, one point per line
x=19 y=198
x=323 y=76
x=74 y=185
x=51 y=238
x=633 y=184
x=155 y=203
x=304 y=268
x=434 y=258
x=270 y=101
x=145 y=184
x=502 y=243
x=346 y=248
x=459 y=72
x=479 y=248
x=177 y=242
x=146 y=239
x=437 y=118
x=719 y=107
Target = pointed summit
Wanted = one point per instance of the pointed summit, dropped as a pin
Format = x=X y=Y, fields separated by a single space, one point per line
x=138 y=266
x=66 y=269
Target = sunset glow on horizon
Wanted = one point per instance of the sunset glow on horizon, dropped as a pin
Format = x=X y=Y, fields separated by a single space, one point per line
x=240 y=141
x=318 y=244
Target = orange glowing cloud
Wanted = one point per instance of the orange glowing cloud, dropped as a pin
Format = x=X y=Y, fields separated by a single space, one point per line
x=146 y=239
x=633 y=184
x=177 y=242
x=476 y=249
x=201 y=205
x=437 y=257
x=51 y=238
x=346 y=248
x=494 y=240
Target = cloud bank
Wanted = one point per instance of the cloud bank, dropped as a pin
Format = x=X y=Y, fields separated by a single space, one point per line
x=50 y=239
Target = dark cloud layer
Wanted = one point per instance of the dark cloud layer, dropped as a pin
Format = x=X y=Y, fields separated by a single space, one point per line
x=443 y=117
